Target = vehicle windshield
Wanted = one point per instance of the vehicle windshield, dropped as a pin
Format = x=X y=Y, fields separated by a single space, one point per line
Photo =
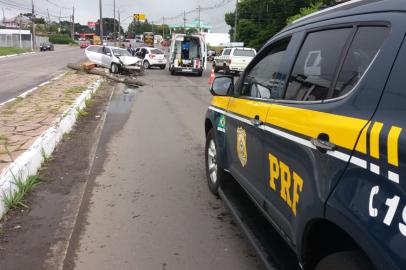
x=248 y=53
x=120 y=52
x=156 y=51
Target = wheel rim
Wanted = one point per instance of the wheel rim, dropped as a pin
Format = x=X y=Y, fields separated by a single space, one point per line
x=212 y=161
x=114 y=68
x=146 y=65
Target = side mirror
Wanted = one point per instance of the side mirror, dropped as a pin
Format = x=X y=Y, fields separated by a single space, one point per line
x=222 y=86
x=108 y=54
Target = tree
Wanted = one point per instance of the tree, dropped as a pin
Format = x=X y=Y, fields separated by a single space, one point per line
x=259 y=20
x=108 y=27
x=192 y=31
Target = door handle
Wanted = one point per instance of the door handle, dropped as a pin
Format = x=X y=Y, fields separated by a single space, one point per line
x=256 y=121
x=323 y=145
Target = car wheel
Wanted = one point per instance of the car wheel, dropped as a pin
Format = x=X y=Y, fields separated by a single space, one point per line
x=216 y=176
x=200 y=73
x=114 y=68
x=226 y=70
x=216 y=69
x=146 y=65
x=354 y=260
x=163 y=66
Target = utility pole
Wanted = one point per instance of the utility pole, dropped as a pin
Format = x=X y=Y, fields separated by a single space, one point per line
x=4 y=16
x=200 y=29
x=163 y=27
x=101 y=20
x=73 y=24
x=34 y=45
x=184 y=21
x=119 y=24
x=152 y=24
x=235 y=21
x=60 y=23
x=48 y=17
x=114 y=21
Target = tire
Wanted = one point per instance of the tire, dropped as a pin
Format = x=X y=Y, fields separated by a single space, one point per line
x=226 y=70
x=162 y=67
x=348 y=260
x=146 y=65
x=216 y=176
x=216 y=69
x=173 y=72
x=200 y=74
x=114 y=68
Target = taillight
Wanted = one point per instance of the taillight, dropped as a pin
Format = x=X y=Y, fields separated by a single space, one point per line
x=152 y=56
x=229 y=61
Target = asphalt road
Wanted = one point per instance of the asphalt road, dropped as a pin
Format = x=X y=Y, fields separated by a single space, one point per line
x=147 y=204
x=21 y=73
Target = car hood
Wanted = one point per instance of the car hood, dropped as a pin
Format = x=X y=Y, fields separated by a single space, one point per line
x=129 y=60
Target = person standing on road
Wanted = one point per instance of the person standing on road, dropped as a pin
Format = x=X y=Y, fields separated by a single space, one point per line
x=130 y=50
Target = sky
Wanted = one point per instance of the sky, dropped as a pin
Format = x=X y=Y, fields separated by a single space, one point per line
x=155 y=10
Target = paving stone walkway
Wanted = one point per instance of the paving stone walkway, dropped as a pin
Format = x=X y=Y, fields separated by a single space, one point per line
x=23 y=120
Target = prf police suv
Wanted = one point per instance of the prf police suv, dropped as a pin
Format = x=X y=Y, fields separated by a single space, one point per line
x=314 y=131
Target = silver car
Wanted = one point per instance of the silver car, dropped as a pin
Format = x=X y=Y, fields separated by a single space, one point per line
x=113 y=58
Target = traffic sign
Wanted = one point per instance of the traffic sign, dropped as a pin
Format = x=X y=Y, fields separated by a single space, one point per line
x=139 y=17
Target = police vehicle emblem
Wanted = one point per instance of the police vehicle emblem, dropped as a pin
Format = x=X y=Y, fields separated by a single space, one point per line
x=222 y=124
x=242 y=145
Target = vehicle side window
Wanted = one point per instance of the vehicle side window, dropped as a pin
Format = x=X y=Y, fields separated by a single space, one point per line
x=100 y=49
x=265 y=80
x=315 y=68
x=363 y=50
x=227 y=52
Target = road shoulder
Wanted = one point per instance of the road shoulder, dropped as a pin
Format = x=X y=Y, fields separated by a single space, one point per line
x=44 y=229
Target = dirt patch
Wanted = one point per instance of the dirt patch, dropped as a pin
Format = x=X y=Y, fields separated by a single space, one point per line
x=23 y=120
x=28 y=236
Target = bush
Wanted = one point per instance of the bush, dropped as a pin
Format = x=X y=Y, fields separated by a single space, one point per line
x=60 y=39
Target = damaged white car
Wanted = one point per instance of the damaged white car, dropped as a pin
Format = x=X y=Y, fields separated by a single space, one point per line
x=117 y=60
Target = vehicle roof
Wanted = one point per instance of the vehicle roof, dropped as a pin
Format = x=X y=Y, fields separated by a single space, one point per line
x=354 y=7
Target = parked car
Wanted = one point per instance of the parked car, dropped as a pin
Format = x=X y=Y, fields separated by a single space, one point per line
x=314 y=134
x=46 y=46
x=115 y=59
x=151 y=57
x=233 y=59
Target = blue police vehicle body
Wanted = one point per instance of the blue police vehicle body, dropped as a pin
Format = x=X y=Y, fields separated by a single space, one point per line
x=314 y=133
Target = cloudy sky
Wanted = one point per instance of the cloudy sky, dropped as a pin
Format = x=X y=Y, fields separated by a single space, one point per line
x=88 y=10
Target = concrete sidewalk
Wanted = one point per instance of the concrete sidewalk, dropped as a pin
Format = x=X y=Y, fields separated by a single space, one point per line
x=24 y=120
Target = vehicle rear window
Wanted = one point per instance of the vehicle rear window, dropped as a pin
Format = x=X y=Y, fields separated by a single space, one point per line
x=247 y=53
x=316 y=65
x=362 y=52
x=156 y=51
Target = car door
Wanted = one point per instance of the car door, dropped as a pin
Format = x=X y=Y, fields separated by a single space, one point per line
x=247 y=111
x=94 y=53
x=107 y=57
x=313 y=132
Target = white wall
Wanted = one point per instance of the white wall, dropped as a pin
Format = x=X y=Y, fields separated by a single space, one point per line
x=216 y=39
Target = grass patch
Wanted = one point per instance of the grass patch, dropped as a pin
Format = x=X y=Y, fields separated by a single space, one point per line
x=15 y=199
x=76 y=89
x=81 y=112
x=9 y=50
x=46 y=159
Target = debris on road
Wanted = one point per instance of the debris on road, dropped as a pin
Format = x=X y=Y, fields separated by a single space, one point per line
x=92 y=69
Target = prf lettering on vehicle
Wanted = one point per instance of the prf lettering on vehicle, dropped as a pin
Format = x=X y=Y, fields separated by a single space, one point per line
x=288 y=182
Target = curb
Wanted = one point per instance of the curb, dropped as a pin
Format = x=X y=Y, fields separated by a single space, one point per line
x=23 y=95
x=17 y=54
x=31 y=160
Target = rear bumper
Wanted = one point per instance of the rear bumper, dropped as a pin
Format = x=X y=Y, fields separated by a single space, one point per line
x=237 y=68
x=187 y=70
